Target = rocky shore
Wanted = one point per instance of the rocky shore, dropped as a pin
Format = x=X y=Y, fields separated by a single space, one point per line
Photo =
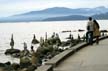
x=48 y=48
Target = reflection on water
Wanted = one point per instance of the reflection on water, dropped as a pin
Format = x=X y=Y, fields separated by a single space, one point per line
x=23 y=32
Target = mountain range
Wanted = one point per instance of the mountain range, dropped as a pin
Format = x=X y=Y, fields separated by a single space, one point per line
x=59 y=14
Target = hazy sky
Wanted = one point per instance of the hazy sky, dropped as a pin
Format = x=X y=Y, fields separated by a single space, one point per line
x=10 y=7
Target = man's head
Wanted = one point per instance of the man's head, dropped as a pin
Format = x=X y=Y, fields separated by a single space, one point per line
x=90 y=18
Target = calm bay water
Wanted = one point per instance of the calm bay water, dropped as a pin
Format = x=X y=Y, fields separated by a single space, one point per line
x=23 y=32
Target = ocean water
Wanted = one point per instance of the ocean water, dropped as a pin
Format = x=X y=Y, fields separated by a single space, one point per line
x=23 y=32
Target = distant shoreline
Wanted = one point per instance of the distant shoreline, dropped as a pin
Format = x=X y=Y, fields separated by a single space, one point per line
x=46 y=21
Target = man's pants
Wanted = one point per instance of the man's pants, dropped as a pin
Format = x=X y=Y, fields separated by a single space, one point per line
x=89 y=37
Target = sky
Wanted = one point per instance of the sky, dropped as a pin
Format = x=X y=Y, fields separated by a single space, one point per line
x=12 y=7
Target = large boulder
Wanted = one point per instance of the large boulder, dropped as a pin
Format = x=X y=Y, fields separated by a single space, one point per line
x=13 y=52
